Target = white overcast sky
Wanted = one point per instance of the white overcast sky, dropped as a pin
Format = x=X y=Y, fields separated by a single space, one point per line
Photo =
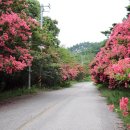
x=83 y=20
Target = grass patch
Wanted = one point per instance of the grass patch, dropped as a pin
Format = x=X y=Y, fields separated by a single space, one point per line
x=87 y=78
x=113 y=97
x=7 y=94
x=18 y=92
x=4 y=95
x=74 y=82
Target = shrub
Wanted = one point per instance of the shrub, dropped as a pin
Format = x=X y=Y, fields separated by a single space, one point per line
x=112 y=64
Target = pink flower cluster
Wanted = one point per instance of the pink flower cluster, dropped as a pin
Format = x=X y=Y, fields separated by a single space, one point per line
x=11 y=65
x=5 y=5
x=112 y=63
x=14 y=38
x=111 y=107
x=70 y=72
x=124 y=106
x=33 y=22
x=6 y=2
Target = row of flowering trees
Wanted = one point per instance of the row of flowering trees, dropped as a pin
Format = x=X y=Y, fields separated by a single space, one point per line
x=111 y=65
x=72 y=72
x=20 y=38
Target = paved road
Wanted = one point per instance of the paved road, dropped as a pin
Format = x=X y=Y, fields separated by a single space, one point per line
x=78 y=108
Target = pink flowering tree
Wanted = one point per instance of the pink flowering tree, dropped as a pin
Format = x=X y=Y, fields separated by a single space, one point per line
x=124 y=106
x=112 y=64
x=14 y=39
x=71 y=72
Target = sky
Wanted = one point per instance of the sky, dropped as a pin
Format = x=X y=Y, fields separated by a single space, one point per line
x=83 y=20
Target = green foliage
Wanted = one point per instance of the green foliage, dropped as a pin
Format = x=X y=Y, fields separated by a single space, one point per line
x=18 y=92
x=128 y=9
x=80 y=76
x=85 y=52
x=47 y=36
x=87 y=77
x=108 y=32
x=87 y=47
x=15 y=80
x=65 y=56
x=51 y=26
x=48 y=62
x=50 y=32
x=33 y=9
x=18 y=6
x=51 y=75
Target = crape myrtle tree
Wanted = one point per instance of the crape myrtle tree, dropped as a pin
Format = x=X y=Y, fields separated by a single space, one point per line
x=111 y=65
x=108 y=32
x=21 y=32
x=14 y=39
x=15 y=36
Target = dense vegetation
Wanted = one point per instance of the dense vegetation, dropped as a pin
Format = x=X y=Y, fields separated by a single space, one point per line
x=24 y=45
x=87 y=47
x=111 y=64
x=85 y=52
x=111 y=68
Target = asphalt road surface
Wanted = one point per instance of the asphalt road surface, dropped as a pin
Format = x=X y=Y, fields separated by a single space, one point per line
x=80 y=107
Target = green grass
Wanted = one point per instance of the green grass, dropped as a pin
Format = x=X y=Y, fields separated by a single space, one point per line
x=87 y=77
x=18 y=92
x=4 y=95
x=25 y=91
x=113 y=97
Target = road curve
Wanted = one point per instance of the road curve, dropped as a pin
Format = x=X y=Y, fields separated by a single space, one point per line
x=77 y=108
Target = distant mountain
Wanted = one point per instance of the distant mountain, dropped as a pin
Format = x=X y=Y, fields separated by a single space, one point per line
x=85 y=47
x=84 y=52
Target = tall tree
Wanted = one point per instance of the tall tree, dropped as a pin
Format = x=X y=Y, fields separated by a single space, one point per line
x=51 y=31
x=33 y=9
x=14 y=39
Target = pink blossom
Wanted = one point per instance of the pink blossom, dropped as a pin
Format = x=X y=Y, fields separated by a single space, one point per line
x=17 y=55
x=124 y=106
x=128 y=75
x=5 y=36
x=111 y=107
x=128 y=126
x=125 y=113
x=111 y=65
x=70 y=72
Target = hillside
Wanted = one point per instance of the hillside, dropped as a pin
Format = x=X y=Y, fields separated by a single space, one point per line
x=86 y=47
